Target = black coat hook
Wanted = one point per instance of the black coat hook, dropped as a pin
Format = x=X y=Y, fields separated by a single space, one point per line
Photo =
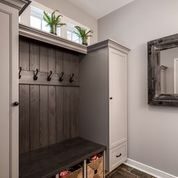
x=20 y=70
x=61 y=78
x=49 y=76
x=35 y=74
x=71 y=79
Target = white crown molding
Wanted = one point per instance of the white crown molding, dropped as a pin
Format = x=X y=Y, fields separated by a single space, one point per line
x=49 y=38
x=148 y=169
x=17 y=4
x=108 y=43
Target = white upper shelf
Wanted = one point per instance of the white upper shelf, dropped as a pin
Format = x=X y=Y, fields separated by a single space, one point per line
x=49 y=38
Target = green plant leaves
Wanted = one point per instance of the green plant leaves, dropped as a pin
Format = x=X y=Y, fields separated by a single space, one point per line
x=47 y=18
x=83 y=34
x=53 y=21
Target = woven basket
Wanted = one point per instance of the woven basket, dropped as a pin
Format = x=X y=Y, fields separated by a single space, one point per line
x=76 y=174
x=95 y=168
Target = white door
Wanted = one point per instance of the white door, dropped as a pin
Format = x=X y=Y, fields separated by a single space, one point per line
x=118 y=97
x=9 y=80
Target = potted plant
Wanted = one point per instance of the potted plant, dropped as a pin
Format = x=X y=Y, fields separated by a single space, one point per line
x=83 y=34
x=53 y=21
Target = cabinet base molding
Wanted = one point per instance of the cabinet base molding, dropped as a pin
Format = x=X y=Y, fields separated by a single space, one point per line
x=148 y=169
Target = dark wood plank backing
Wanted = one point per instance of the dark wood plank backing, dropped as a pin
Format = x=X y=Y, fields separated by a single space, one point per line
x=71 y=65
x=52 y=115
x=59 y=114
x=43 y=116
x=24 y=120
x=43 y=58
x=24 y=54
x=48 y=109
x=34 y=56
x=71 y=112
x=34 y=117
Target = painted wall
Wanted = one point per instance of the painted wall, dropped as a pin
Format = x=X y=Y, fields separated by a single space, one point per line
x=153 y=131
x=74 y=13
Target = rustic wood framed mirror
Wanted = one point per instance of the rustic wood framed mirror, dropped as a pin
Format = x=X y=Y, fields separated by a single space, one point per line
x=163 y=71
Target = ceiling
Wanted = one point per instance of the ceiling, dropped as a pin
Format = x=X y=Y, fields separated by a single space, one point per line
x=99 y=8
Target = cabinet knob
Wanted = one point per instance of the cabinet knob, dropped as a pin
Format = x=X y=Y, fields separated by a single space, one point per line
x=15 y=103
x=117 y=156
x=111 y=98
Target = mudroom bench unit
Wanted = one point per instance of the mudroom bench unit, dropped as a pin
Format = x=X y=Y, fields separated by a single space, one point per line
x=63 y=103
x=50 y=161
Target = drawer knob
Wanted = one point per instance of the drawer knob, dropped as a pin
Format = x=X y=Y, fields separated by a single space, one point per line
x=117 y=156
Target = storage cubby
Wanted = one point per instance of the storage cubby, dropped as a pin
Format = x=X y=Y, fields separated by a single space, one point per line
x=74 y=172
x=95 y=167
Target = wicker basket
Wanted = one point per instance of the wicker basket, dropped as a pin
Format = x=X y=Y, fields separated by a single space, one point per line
x=95 y=169
x=76 y=174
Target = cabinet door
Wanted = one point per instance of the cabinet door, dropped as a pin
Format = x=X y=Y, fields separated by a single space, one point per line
x=118 y=97
x=9 y=80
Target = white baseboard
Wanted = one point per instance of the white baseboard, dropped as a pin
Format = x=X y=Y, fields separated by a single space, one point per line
x=148 y=169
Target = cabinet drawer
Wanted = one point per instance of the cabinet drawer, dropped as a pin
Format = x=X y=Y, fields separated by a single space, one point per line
x=118 y=155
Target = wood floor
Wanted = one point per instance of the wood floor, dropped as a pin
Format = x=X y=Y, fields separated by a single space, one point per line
x=124 y=171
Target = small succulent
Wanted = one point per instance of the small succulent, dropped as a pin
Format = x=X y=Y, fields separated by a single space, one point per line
x=83 y=34
x=53 y=21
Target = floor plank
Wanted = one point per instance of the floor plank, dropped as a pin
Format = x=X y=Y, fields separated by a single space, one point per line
x=124 y=171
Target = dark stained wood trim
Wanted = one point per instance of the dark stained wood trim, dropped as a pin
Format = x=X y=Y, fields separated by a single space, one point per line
x=154 y=48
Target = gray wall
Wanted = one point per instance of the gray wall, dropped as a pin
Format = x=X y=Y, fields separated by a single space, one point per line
x=73 y=12
x=153 y=131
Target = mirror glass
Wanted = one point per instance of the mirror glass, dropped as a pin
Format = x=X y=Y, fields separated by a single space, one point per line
x=168 y=69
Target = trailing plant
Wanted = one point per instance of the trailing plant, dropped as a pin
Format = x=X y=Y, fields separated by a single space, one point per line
x=53 y=21
x=83 y=34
